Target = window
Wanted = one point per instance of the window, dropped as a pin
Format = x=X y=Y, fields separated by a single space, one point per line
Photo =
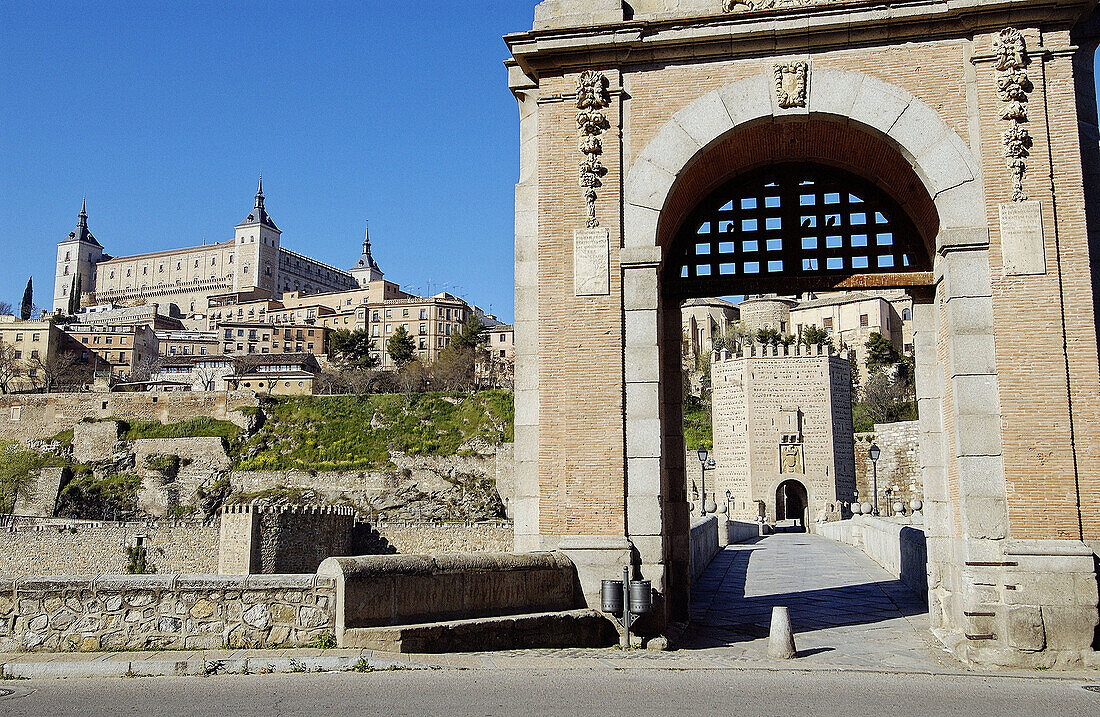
x=827 y=323
x=36 y=337
x=502 y=353
x=389 y=313
x=906 y=315
x=34 y=354
x=405 y=314
x=19 y=337
x=864 y=320
x=423 y=329
x=423 y=314
x=502 y=337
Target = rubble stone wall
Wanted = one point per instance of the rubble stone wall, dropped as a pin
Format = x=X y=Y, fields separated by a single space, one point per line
x=82 y=614
x=43 y=415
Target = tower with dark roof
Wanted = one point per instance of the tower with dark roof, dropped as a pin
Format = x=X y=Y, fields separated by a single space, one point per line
x=256 y=241
x=77 y=255
x=366 y=269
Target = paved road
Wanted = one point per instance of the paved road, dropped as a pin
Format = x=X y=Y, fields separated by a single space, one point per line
x=846 y=610
x=546 y=692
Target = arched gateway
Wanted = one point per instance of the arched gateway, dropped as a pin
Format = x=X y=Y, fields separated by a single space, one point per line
x=673 y=149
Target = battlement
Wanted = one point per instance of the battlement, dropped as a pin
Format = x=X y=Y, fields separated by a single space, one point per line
x=756 y=350
x=278 y=539
x=244 y=508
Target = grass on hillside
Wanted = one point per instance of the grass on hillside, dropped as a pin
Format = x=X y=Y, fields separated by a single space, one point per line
x=19 y=466
x=191 y=428
x=341 y=433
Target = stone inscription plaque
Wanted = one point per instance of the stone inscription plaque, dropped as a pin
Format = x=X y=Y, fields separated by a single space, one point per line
x=591 y=262
x=1022 y=243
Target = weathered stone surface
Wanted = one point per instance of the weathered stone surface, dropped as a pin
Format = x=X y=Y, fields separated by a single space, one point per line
x=257 y=616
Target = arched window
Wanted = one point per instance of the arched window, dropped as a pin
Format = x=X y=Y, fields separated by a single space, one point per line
x=802 y=220
x=906 y=315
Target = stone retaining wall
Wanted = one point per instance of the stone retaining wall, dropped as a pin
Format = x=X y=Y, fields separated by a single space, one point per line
x=43 y=415
x=66 y=548
x=425 y=538
x=82 y=614
x=899 y=463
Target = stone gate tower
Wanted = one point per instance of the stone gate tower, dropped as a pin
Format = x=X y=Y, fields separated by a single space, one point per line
x=673 y=149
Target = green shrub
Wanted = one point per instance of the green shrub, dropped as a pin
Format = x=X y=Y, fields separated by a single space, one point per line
x=18 y=468
x=110 y=497
x=697 y=426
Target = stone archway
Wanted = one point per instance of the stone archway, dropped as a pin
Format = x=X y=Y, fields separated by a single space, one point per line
x=924 y=165
x=791 y=502
x=651 y=102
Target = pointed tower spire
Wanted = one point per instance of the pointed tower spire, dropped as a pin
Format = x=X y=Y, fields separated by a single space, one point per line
x=82 y=218
x=366 y=269
x=260 y=193
x=259 y=215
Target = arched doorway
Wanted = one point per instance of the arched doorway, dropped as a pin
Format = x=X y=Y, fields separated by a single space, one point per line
x=808 y=204
x=791 y=504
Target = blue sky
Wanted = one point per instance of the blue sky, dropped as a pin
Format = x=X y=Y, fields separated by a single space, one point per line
x=353 y=109
x=164 y=115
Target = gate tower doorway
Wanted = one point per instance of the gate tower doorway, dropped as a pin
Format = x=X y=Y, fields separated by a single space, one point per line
x=792 y=503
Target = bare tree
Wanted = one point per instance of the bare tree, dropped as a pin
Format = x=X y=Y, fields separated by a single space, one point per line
x=145 y=368
x=58 y=370
x=9 y=367
x=6 y=309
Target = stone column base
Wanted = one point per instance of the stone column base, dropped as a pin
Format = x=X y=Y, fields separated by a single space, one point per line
x=1033 y=607
x=596 y=558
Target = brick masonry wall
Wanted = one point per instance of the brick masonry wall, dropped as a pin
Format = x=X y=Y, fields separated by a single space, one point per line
x=581 y=450
x=75 y=614
x=429 y=538
x=44 y=415
x=100 y=548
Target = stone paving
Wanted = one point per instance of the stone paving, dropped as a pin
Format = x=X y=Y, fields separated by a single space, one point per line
x=845 y=609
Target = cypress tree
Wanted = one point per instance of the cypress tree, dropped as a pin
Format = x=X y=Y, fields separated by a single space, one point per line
x=28 y=301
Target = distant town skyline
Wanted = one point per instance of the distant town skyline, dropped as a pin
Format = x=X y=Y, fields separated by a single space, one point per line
x=165 y=117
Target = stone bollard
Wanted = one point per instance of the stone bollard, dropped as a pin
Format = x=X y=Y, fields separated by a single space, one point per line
x=781 y=639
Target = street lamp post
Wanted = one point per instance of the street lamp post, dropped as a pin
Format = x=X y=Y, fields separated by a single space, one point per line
x=703 y=482
x=874 y=453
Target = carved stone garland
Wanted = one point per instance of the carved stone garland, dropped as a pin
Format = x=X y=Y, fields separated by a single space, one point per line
x=790 y=84
x=1013 y=85
x=592 y=98
x=750 y=5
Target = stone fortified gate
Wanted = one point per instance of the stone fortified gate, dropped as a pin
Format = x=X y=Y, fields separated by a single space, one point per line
x=671 y=149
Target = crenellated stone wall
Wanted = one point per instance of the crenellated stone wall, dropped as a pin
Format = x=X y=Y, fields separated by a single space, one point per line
x=96 y=548
x=282 y=539
x=83 y=614
x=427 y=538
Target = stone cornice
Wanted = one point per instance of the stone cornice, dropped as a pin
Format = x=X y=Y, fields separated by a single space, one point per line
x=783 y=31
